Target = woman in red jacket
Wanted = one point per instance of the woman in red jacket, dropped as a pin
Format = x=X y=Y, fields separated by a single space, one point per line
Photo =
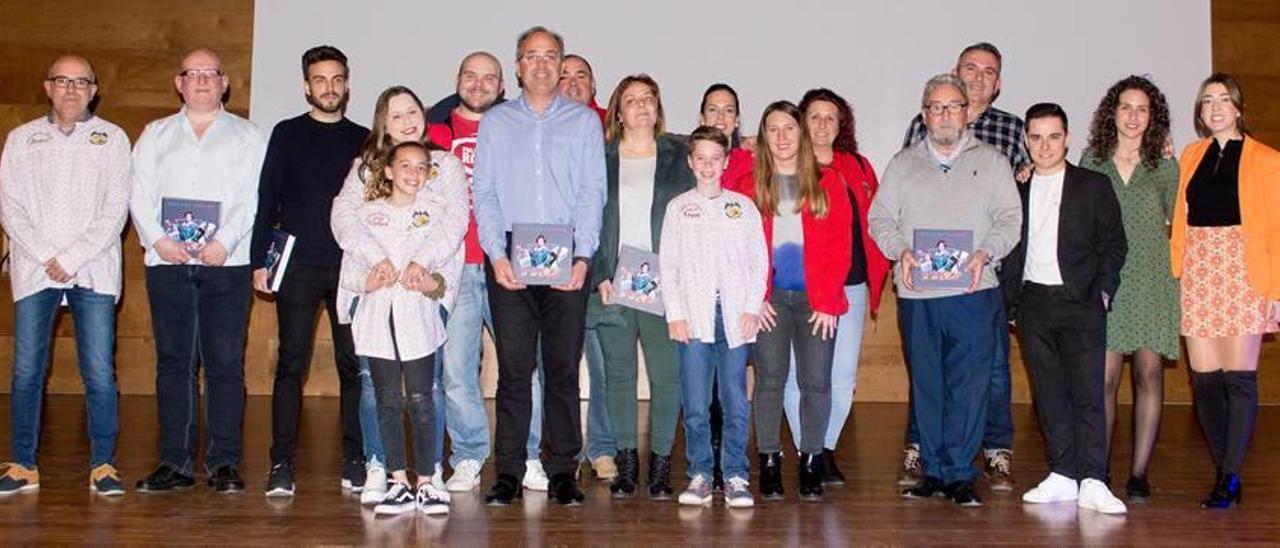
x=720 y=110
x=831 y=129
x=807 y=221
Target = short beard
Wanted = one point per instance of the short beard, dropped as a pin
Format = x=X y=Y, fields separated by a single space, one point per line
x=338 y=107
x=941 y=140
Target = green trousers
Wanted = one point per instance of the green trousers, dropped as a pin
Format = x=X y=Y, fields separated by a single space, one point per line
x=621 y=361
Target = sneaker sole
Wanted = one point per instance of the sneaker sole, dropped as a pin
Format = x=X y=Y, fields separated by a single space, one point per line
x=280 y=492
x=349 y=487
x=748 y=503
x=393 y=510
x=908 y=482
x=450 y=487
x=372 y=501
x=534 y=487
x=691 y=501
x=971 y=504
x=23 y=489
x=106 y=493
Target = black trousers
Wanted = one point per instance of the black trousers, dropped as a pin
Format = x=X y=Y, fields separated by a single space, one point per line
x=520 y=319
x=1064 y=341
x=306 y=288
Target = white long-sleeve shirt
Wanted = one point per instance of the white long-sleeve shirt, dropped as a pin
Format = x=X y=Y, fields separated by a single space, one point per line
x=65 y=197
x=449 y=187
x=169 y=161
x=419 y=330
x=713 y=246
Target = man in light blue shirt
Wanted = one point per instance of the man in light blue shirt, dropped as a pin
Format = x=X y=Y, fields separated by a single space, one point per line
x=539 y=159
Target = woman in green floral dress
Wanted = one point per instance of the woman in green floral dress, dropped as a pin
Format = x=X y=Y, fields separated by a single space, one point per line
x=1127 y=142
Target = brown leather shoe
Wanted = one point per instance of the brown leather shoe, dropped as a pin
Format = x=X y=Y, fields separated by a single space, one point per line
x=998 y=471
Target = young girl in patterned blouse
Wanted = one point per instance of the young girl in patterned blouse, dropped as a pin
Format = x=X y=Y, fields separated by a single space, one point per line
x=397 y=324
x=714 y=264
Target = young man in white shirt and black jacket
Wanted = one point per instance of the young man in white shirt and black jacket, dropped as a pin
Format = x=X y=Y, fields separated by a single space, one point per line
x=1058 y=283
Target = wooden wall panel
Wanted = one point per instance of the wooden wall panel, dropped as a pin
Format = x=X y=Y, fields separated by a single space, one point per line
x=136 y=46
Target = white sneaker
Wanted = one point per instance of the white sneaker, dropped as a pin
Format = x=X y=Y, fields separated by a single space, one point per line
x=737 y=493
x=535 y=477
x=698 y=493
x=375 y=487
x=431 y=501
x=466 y=476
x=437 y=483
x=1055 y=488
x=1094 y=495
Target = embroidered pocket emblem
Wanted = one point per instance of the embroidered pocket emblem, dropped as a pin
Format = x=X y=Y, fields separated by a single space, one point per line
x=376 y=219
x=691 y=211
x=39 y=137
x=98 y=138
x=420 y=219
x=733 y=210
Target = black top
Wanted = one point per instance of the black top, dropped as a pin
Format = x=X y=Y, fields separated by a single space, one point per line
x=1213 y=196
x=858 y=267
x=306 y=163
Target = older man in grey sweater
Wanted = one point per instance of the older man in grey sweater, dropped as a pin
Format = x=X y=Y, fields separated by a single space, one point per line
x=956 y=183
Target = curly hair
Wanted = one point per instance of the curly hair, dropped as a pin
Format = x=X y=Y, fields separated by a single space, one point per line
x=1103 y=136
x=846 y=138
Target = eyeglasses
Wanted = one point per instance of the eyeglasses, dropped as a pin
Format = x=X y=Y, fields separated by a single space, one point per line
x=66 y=82
x=200 y=74
x=936 y=109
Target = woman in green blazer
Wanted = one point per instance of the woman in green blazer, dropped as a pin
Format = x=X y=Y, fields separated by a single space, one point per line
x=646 y=169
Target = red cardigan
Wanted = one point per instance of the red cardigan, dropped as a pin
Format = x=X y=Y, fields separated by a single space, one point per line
x=828 y=244
x=861 y=178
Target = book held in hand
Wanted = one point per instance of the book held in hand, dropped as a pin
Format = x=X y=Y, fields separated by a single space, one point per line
x=542 y=254
x=191 y=223
x=941 y=256
x=278 y=252
x=637 y=283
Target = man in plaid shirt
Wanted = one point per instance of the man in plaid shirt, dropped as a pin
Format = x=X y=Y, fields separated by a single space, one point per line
x=979 y=66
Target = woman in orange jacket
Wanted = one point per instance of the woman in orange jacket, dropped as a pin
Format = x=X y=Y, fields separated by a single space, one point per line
x=1224 y=251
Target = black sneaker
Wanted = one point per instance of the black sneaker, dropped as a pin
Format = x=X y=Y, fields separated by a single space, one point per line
x=226 y=479
x=280 y=480
x=505 y=491
x=962 y=494
x=660 y=478
x=929 y=486
x=400 y=499
x=353 y=476
x=165 y=478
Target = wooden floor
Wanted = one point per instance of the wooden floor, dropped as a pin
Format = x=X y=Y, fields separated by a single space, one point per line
x=868 y=510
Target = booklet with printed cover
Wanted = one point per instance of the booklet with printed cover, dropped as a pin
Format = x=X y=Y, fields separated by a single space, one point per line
x=542 y=254
x=637 y=283
x=941 y=256
x=278 y=252
x=191 y=223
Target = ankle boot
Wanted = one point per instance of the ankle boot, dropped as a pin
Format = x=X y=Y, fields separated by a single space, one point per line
x=810 y=476
x=771 y=476
x=1242 y=409
x=1210 y=393
x=660 y=477
x=624 y=486
x=830 y=473
x=1225 y=493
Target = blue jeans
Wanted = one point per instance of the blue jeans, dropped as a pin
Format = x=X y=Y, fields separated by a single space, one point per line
x=998 y=433
x=94 y=317
x=199 y=315
x=844 y=371
x=600 y=440
x=700 y=364
x=948 y=346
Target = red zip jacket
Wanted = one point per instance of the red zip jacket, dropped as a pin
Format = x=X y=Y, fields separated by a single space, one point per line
x=861 y=178
x=828 y=245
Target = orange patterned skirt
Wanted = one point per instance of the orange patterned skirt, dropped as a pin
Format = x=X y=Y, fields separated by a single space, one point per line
x=1217 y=300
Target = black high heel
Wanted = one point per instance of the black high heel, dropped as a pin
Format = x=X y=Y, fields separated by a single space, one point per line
x=1225 y=493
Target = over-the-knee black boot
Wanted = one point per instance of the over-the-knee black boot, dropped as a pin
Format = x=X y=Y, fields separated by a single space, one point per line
x=1210 y=393
x=1242 y=409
